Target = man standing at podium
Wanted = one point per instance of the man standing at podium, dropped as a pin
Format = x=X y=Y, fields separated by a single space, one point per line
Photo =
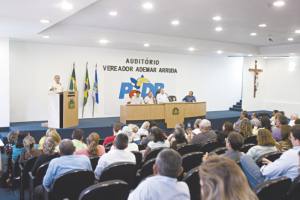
x=56 y=86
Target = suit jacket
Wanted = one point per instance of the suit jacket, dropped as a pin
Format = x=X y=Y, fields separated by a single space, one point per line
x=205 y=137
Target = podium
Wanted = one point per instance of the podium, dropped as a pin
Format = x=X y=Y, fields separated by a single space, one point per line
x=171 y=113
x=63 y=110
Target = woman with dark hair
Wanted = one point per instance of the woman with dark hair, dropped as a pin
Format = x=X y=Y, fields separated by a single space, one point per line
x=179 y=139
x=158 y=140
x=226 y=129
x=18 y=145
x=246 y=128
x=266 y=123
x=285 y=142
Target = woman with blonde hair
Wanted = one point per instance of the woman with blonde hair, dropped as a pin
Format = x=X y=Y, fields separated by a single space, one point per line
x=51 y=132
x=265 y=144
x=93 y=147
x=29 y=150
x=245 y=128
x=221 y=178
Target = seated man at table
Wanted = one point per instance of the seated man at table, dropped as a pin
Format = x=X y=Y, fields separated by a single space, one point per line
x=162 y=96
x=136 y=98
x=190 y=97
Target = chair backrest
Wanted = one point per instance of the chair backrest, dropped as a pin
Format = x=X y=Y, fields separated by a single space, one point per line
x=193 y=181
x=251 y=140
x=125 y=171
x=274 y=189
x=147 y=169
x=141 y=147
x=94 y=161
x=70 y=184
x=210 y=146
x=246 y=147
x=153 y=153
x=220 y=150
x=172 y=98
x=270 y=156
x=189 y=148
x=113 y=189
x=138 y=158
x=294 y=191
x=40 y=173
x=28 y=164
x=191 y=160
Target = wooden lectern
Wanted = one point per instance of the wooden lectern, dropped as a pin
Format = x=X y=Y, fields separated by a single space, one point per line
x=63 y=110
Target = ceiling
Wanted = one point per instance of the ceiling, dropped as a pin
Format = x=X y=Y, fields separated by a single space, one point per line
x=89 y=21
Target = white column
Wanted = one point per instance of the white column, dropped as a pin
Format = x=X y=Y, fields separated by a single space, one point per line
x=4 y=82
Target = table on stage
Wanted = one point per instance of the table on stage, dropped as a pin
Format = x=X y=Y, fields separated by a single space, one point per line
x=172 y=113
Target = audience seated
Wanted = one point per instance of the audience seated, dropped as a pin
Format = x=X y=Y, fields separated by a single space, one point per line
x=265 y=144
x=226 y=129
x=179 y=139
x=222 y=178
x=206 y=135
x=93 y=148
x=143 y=131
x=266 y=123
x=77 y=139
x=51 y=132
x=280 y=120
x=274 y=113
x=243 y=115
x=16 y=140
x=29 y=150
x=196 y=129
x=116 y=129
x=234 y=142
x=285 y=142
x=129 y=131
x=293 y=118
x=164 y=184
x=255 y=122
x=159 y=140
x=116 y=154
x=245 y=128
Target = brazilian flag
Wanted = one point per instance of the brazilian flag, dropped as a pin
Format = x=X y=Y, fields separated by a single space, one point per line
x=73 y=83
x=86 y=88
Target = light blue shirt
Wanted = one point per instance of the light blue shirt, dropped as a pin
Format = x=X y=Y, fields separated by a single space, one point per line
x=63 y=164
x=287 y=165
x=160 y=187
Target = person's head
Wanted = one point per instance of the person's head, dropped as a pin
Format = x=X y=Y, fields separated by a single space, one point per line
x=222 y=178
x=244 y=114
x=285 y=132
x=265 y=122
x=254 y=116
x=191 y=93
x=13 y=137
x=197 y=123
x=138 y=93
x=133 y=127
x=19 y=143
x=28 y=143
x=234 y=141
x=179 y=125
x=264 y=137
x=168 y=163
x=283 y=120
x=121 y=141
x=179 y=135
x=274 y=112
x=205 y=125
x=227 y=127
x=162 y=91
x=282 y=113
x=77 y=134
x=57 y=79
x=146 y=125
x=246 y=128
x=157 y=134
x=294 y=116
x=150 y=94
x=127 y=130
x=51 y=132
x=92 y=141
x=49 y=146
x=295 y=135
x=117 y=127
x=66 y=147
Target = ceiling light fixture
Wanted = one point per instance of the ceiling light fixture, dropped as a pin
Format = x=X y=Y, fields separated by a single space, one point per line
x=175 y=22
x=219 y=29
x=146 y=45
x=290 y=39
x=45 y=21
x=253 y=34
x=46 y=36
x=217 y=18
x=219 y=52
x=250 y=55
x=113 y=13
x=65 y=5
x=148 y=6
x=279 y=3
x=103 y=41
x=191 y=49
x=297 y=31
x=262 y=25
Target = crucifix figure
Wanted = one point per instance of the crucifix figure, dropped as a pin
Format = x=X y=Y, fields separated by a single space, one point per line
x=256 y=72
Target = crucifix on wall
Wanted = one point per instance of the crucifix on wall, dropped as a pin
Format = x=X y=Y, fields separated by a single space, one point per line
x=256 y=73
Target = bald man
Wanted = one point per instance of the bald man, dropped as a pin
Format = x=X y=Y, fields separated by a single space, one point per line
x=56 y=86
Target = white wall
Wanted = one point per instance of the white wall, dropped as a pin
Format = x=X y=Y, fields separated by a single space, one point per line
x=216 y=80
x=278 y=85
x=4 y=82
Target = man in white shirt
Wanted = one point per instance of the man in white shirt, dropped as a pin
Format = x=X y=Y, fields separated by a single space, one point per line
x=56 y=86
x=136 y=99
x=162 y=97
x=164 y=184
x=116 y=154
x=149 y=99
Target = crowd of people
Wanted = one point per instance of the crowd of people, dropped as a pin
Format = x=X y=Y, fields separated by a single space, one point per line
x=220 y=175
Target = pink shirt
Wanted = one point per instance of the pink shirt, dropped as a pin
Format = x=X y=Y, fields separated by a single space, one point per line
x=100 y=151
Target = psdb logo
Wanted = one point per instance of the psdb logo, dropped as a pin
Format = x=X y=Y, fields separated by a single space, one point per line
x=141 y=84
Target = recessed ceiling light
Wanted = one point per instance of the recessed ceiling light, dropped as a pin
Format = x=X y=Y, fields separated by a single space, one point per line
x=219 y=52
x=65 y=5
x=148 y=6
x=113 y=13
x=219 y=29
x=45 y=21
x=191 y=49
x=217 y=18
x=279 y=3
x=297 y=31
x=46 y=36
x=253 y=34
x=146 y=45
x=103 y=41
x=290 y=39
x=250 y=55
x=175 y=22
x=262 y=25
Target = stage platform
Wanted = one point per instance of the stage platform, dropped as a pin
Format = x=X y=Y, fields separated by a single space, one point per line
x=103 y=126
